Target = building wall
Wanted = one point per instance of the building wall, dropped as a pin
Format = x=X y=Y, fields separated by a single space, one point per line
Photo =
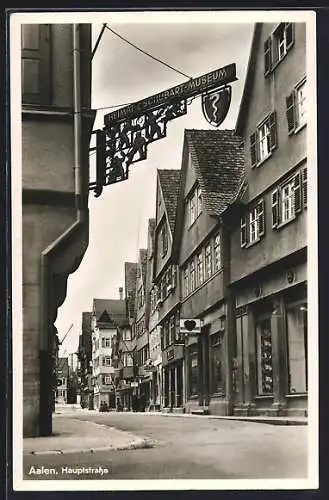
x=269 y=278
x=49 y=205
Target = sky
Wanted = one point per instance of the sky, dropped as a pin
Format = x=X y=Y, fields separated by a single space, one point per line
x=120 y=75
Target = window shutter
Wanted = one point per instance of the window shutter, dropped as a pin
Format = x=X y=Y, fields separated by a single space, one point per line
x=297 y=193
x=275 y=208
x=290 y=112
x=243 y=232
x=272 y=128
x=253 y=149
x=267 y=56
x=261 y=218
x=304 y=187
x=36 y=64
x=289 y=34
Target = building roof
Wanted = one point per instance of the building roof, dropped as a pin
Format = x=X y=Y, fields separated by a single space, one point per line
x=130 y=287
x=110 y=310
x=249 y=81
x=218 y=159
x=169 y=181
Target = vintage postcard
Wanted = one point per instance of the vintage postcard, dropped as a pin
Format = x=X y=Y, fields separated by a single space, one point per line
x=164 y=208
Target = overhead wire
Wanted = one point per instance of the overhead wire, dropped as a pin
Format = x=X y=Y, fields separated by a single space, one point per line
x=146 y=53
x=98 y=41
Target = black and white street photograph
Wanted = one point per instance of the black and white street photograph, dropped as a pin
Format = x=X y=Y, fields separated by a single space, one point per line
x=164 y=243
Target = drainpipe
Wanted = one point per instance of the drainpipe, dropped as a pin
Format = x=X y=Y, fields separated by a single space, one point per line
x=46 y=337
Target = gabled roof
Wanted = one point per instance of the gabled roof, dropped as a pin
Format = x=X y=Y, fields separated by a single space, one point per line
x=111 y=311
x=218 y=159
x=169 y=180
x=130 y=287
x=245 y=101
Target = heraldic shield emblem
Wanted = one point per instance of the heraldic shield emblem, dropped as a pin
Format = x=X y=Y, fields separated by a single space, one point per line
x=215 y=105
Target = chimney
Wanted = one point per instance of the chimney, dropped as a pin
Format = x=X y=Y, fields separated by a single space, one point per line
x=121 y=293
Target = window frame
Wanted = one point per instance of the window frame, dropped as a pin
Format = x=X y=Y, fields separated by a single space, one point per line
x=298 y=181
x=270 y=121
x=293 y=108
x=194 y=204
x=245 y=224
x=271 y=48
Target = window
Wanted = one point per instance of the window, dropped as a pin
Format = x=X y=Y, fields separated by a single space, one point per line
x=253 y=225
x=192 y=276
x=164 y=239
x=185 y=281
x=216 y=364
x=106 y=380
x=198 y=201
x=126 y=335
x=194 y=205
x=263 y=140
x=127 y=359
x=264 y=357
x=277 y=46
x=192 y=209
x=172 y=329
x=200 y=268
x=289 y=199
x=140 y=297
x=36 y=63
x=106 y=342
x=297 y=348
x=107 y=361
x=217 y=250
x=208 y=261
x=296 y=108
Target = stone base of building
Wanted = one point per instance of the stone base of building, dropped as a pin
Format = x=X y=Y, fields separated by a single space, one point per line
x=177 y=409
x=216 y=406
x=295 y=406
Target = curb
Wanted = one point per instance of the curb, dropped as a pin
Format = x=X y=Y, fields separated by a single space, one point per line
x=135 y=445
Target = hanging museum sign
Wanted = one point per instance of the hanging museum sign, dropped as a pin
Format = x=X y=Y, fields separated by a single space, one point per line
x=129 y=130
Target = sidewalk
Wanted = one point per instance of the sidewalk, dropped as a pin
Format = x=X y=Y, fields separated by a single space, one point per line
x=74 y=436
x=257 y=419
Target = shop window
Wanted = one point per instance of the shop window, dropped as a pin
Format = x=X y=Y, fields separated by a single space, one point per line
x=216 y=363
x=194 y=373
x=263 y=140
x=297 y=348
x=289 y=199
x=264 y=357
x=36 y=64
x=253 y=225
x=296 y=108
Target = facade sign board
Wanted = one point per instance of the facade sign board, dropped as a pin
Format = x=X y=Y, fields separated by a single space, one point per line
x=128 y=131
x=190 y=326
x=185 y=90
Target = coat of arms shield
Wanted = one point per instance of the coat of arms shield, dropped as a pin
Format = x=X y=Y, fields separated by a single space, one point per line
x=215 y=105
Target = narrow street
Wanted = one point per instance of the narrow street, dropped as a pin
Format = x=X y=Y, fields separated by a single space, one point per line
x=187 y=447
